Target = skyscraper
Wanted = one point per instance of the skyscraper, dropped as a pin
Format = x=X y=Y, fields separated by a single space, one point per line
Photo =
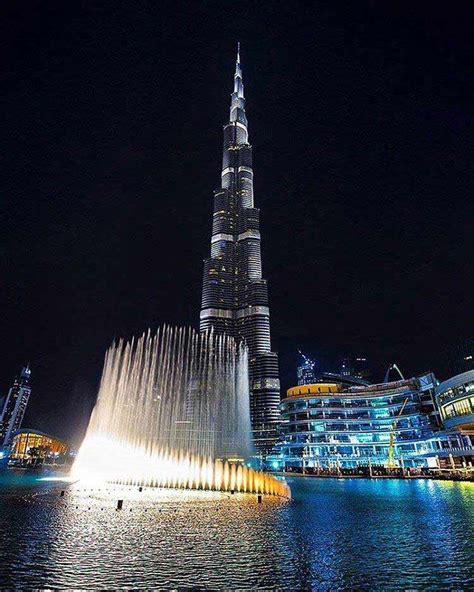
x=305 y=372
x=234 y=295
x=14 y=407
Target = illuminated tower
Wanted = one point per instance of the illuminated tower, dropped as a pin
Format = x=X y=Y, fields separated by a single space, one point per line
x=234 y=295
x=305 y=372
x=14 y=407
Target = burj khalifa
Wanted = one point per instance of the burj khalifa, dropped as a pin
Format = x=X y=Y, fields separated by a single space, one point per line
x=234 y=295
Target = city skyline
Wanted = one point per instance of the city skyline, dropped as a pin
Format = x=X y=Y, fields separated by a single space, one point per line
x=113 y=160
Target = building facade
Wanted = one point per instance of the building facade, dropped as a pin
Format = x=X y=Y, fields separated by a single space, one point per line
x=460 y=357
x=305 y=372
x=235 y=295
x=455 y=399
x=357 y=367
x=14 y=407
x=330 y=425
x=34 y=448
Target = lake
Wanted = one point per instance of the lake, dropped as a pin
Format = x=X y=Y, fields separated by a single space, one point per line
x=335 y=534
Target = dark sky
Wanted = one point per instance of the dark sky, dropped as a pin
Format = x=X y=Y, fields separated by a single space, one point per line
x=361 y=119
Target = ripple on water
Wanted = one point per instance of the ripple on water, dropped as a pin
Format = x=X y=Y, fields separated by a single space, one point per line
x=333 y=535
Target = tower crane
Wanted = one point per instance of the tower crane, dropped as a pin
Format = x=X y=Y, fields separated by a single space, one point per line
x=391 y=445
x=306 y=359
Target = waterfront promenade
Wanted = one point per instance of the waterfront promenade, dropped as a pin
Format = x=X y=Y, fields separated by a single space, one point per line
x=381 y=472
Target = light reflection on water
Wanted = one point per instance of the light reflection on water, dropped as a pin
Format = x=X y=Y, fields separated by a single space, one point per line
x=335 y=534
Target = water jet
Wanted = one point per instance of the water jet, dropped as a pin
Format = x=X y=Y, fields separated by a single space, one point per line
x=173 y=411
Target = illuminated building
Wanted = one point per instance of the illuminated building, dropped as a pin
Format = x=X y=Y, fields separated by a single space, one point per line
x=305 y=372
x=357 y=367
x=455 y=399
x=234 y=295
x=330 y=424
x=32 y=448
x=14 y=407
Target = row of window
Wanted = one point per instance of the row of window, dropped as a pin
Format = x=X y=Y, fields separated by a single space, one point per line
x=461 y=407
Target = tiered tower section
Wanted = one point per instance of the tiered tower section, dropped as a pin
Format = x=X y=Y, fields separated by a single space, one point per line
x=235 y=296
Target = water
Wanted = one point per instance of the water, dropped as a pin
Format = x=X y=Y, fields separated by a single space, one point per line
x=175 y=390
x=173 y=411
x=333 y=535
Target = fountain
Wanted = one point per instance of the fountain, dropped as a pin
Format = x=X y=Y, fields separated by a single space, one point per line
x=173 y=411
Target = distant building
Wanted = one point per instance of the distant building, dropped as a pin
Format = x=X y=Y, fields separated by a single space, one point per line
x=357 y=367
x=14 y=407
x=345 y=380
x=346 y=368
x=305 y=372
x=34 y=448
x=460 y=358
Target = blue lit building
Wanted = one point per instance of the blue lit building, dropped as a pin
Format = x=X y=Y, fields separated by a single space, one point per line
x=406 y=423
x=305 y=372
x=328 y=424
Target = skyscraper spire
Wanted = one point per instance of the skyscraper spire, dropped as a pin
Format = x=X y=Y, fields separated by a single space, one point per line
x=237 y=104
x=235 y=296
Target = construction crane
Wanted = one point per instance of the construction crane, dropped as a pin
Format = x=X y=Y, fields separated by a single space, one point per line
x=306 y=359
x=391 y=446
x=393 y=367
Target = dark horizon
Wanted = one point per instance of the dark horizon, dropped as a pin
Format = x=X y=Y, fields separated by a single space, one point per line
x=361 y=125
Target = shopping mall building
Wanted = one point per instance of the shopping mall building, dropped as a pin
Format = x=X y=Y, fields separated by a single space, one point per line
x=407 y=423
x=32 y=448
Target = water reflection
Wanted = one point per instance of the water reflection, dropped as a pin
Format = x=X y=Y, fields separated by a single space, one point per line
x=335 y=534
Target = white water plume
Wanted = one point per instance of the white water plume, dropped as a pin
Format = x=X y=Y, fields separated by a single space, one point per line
x=176 y=390
x=173 y=411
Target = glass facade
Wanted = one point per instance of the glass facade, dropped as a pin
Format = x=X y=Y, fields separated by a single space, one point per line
x=327 y=425
x=234 y=294
x=14 y=407
x=455 y=399
x=33 y=448
x=305 y=372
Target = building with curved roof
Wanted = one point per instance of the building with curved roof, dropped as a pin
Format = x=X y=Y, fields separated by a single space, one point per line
x=455 y=399
x=31 y=448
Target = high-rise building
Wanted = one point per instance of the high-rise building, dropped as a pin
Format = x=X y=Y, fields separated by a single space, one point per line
x=305 y=371
x=234 y=295
x=357 y=367
x=14 y=407
x=460 y=357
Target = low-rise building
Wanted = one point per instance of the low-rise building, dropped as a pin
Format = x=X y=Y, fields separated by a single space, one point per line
x=455 y=400
x=394 y=424
x=34 y=448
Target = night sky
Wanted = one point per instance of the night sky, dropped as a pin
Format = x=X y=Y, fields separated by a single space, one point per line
x=361 y=120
